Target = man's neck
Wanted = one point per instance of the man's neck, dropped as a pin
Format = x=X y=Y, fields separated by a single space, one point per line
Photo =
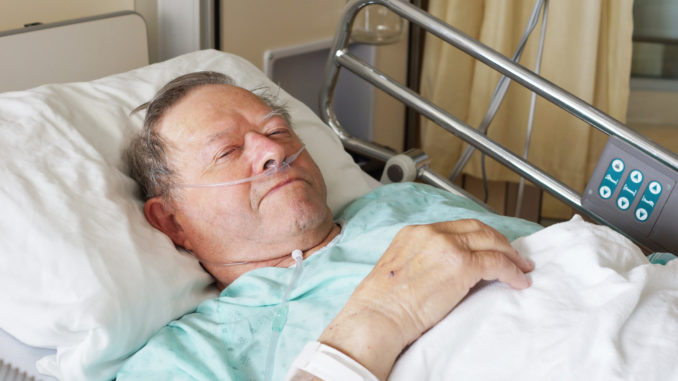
x=336 y=229
x=286 y=259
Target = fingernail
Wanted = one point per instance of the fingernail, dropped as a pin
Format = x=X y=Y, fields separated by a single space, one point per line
x=530 y=262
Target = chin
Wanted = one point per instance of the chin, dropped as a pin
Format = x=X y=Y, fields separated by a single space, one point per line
x=296 y=206
x=307 y=215
x=312 y=219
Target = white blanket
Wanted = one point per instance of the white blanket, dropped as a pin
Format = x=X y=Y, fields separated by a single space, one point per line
x=597 y=310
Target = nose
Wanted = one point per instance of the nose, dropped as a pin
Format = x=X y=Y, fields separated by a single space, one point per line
x=264 y=152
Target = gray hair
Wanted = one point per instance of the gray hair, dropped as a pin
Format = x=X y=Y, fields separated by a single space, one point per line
x=147 y=155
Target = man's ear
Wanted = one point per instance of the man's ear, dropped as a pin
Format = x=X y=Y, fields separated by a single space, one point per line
x=164 y=220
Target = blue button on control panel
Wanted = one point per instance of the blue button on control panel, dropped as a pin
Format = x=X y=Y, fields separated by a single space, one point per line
x=630 y=189
x=611 y=178
x=648 y=201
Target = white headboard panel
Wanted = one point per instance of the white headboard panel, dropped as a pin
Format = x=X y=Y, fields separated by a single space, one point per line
x=77 y=50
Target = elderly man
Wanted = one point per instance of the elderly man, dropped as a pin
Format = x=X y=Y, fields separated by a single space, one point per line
x=371 y=282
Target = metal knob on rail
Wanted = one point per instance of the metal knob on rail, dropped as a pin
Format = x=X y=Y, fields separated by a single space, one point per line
x=404 y=167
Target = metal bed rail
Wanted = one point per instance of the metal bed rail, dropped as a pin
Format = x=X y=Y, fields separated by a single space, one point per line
x=340 y=57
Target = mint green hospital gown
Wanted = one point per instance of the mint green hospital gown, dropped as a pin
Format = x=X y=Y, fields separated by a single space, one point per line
x=227 y=338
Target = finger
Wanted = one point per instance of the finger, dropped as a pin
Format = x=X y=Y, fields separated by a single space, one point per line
x=484 y=239
x=492 y=240
x=482 y=232
x=478 y=236
x=493 y=265
x=462 y=226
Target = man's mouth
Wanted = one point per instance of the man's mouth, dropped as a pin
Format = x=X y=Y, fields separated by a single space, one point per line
x=280 y=185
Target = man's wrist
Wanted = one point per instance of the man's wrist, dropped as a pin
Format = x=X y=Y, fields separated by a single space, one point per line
x=371 y=338
x=320 y=361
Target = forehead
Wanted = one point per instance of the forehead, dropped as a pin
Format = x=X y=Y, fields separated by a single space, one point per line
x=208 y=108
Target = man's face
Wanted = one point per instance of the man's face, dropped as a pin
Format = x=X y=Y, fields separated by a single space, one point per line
x=220 y=133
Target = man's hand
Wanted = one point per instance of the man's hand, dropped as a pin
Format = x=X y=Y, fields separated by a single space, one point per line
x=425 y=272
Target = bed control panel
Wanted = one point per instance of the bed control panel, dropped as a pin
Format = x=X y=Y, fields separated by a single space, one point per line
x=637 y=194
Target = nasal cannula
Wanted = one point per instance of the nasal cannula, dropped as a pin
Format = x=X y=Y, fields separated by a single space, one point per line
x=275 y=168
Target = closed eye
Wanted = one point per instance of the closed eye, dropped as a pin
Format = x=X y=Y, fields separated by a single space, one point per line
x=225 y=153
x=279 y=132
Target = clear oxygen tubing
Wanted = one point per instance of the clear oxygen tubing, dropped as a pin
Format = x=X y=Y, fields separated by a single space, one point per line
x=226 y=264
x=530 y=119
x=277 y=167
x=280 y=315
x=499 y=92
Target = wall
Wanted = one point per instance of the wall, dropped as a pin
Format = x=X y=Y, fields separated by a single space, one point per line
x=149 y=11
x=654 y=114
x=652 y=107
x=14 y=14
x=249 y=28
x=656 y=18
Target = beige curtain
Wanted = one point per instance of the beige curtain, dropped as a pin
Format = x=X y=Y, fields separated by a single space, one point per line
x=587 y=51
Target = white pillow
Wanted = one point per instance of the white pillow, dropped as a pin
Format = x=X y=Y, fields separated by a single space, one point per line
x=81 y=270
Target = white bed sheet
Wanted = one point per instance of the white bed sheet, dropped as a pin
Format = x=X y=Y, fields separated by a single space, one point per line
x=22 y=358
x=597 y=310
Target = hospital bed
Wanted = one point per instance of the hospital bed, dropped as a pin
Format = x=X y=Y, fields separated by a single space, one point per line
x=626 y=145
x=86 y=281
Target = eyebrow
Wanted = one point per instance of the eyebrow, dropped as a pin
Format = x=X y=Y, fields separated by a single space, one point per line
x=216 y=136
x=272 y=114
